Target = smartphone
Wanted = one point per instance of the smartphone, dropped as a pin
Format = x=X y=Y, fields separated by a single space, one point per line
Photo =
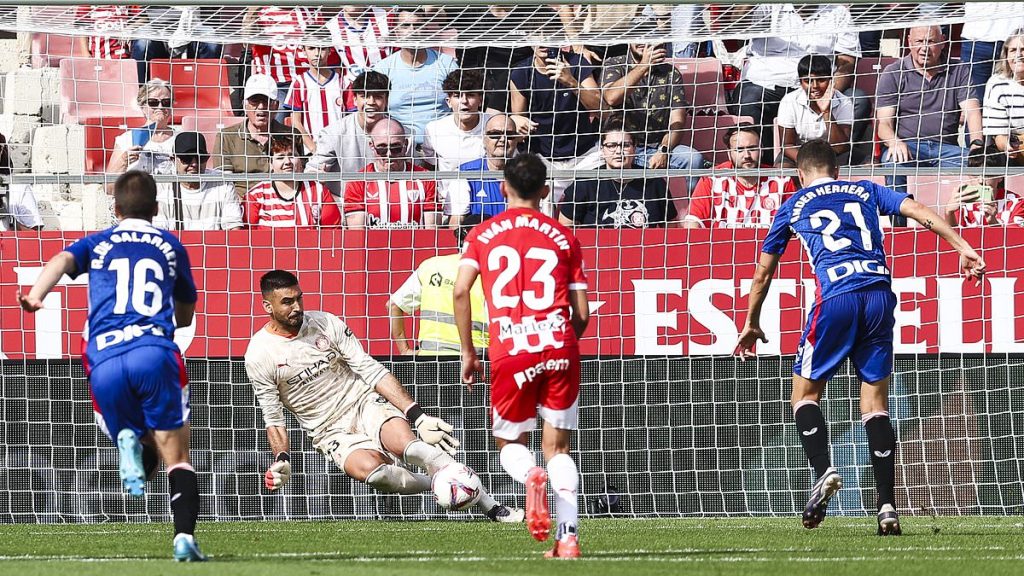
x=552 y=53
x=985 y=192
x=141 y=136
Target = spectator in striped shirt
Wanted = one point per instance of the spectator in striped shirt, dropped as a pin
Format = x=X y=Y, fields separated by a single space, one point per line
x=284 y=203
x=383 y=201
x=319 y=96
x=359 y=34
x=1003 y=110
x=984 y=200
x=345 y=146
x=106 y=18
x=285 y=58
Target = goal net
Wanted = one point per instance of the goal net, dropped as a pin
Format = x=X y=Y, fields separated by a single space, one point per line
x=346 y=143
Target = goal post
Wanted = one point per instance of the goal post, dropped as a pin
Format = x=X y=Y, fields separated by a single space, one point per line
x=670 y=423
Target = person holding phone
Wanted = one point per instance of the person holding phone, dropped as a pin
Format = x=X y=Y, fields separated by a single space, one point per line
x=984 y=201
x=155 y=138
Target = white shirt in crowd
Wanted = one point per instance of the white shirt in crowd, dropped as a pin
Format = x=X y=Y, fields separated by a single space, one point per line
x=320 y=374
x=1003 y=110
x=795 y=113
x=773 y=60
x=982 y=29
x=213 y=206
x=21 y=207
x=341 y=147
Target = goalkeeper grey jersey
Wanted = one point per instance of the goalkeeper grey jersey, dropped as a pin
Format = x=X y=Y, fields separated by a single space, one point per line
x=320 y=374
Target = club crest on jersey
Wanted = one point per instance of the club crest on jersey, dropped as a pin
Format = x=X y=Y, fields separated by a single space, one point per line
x=322 y=343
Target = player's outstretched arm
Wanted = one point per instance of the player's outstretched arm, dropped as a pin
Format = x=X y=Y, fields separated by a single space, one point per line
x=970 y=261
x=431 y=430
x=752 y=331
x=580 y=311
x=281 y=470
x=464 y=322
x=62 y=263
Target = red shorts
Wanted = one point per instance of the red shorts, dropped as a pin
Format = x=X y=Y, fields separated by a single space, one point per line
x=520 y=383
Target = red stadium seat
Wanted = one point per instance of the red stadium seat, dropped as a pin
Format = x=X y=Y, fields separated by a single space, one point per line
x=702 y=83
x=209 y=126
x=49 y=49
x=868 y=70
x=100 y=133
x=92 y=88
x=200 y=86
x=706 y=134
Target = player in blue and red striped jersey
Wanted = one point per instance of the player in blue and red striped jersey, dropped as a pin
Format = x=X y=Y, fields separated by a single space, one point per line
x=140 y=287
x=853 y=313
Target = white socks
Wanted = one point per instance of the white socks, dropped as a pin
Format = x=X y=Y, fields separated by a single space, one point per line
x=565 y=481
x=426 y=456
x=517 y=460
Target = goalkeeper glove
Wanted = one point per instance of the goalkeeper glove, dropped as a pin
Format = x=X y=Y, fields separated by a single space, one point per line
x=432 y=430
x=278 y=473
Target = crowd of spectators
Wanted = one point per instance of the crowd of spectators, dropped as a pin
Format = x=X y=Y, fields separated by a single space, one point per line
x=377 y=102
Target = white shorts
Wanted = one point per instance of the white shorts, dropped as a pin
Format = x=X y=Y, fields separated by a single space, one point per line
x=358 y=430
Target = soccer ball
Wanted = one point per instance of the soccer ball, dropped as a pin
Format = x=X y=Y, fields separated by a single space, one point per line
x=456 y=487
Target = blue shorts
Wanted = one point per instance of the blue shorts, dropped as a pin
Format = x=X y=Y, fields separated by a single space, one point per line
x=143 y=389
x=855 y=325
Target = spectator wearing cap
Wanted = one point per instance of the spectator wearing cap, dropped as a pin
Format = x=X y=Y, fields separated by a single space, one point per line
x=770 y=71
x=245 y=147
x=733 y=201
x=417 y=76
x=156 y=99
x=1003 y=114
x=344 y=146
x=557 y=91
x=921 y=99
x=649 y=93
x=382 y=201
x=429 y=290
x=207 y=205
x=815 y=111
x=289 y=203
x=482 y=196
x=615 y=200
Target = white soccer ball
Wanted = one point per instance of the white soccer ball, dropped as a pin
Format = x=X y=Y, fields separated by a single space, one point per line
x=456 y=487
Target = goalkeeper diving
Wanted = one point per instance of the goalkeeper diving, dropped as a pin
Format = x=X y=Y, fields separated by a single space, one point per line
x=355 y=411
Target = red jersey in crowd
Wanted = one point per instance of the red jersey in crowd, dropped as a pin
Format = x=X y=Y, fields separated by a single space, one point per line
x=528 y=263
x=321 y=104
x=726 y=202
x=313 y=205
x=107 y=17
x=285 y=58
x=391 y=203
x=1009 y=210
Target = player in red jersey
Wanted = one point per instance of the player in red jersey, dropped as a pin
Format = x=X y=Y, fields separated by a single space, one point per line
x=536 y=292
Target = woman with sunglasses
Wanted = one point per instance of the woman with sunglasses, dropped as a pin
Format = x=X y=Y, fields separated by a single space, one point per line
x=155 y=137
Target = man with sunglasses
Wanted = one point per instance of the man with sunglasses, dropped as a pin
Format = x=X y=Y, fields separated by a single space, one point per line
x=206 y=205
x=615 y=200
x=381 y=200
x=245 y=147
x=481 y=196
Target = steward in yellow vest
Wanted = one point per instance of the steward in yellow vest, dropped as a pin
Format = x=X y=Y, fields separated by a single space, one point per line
x=429 y=289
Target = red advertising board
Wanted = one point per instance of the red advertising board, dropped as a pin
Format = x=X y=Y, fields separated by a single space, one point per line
x=653 y=292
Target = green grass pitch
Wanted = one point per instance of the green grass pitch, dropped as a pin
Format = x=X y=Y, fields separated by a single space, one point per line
x=985 y=546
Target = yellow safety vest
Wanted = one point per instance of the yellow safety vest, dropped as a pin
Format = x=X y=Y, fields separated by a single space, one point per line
x=438 y=333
